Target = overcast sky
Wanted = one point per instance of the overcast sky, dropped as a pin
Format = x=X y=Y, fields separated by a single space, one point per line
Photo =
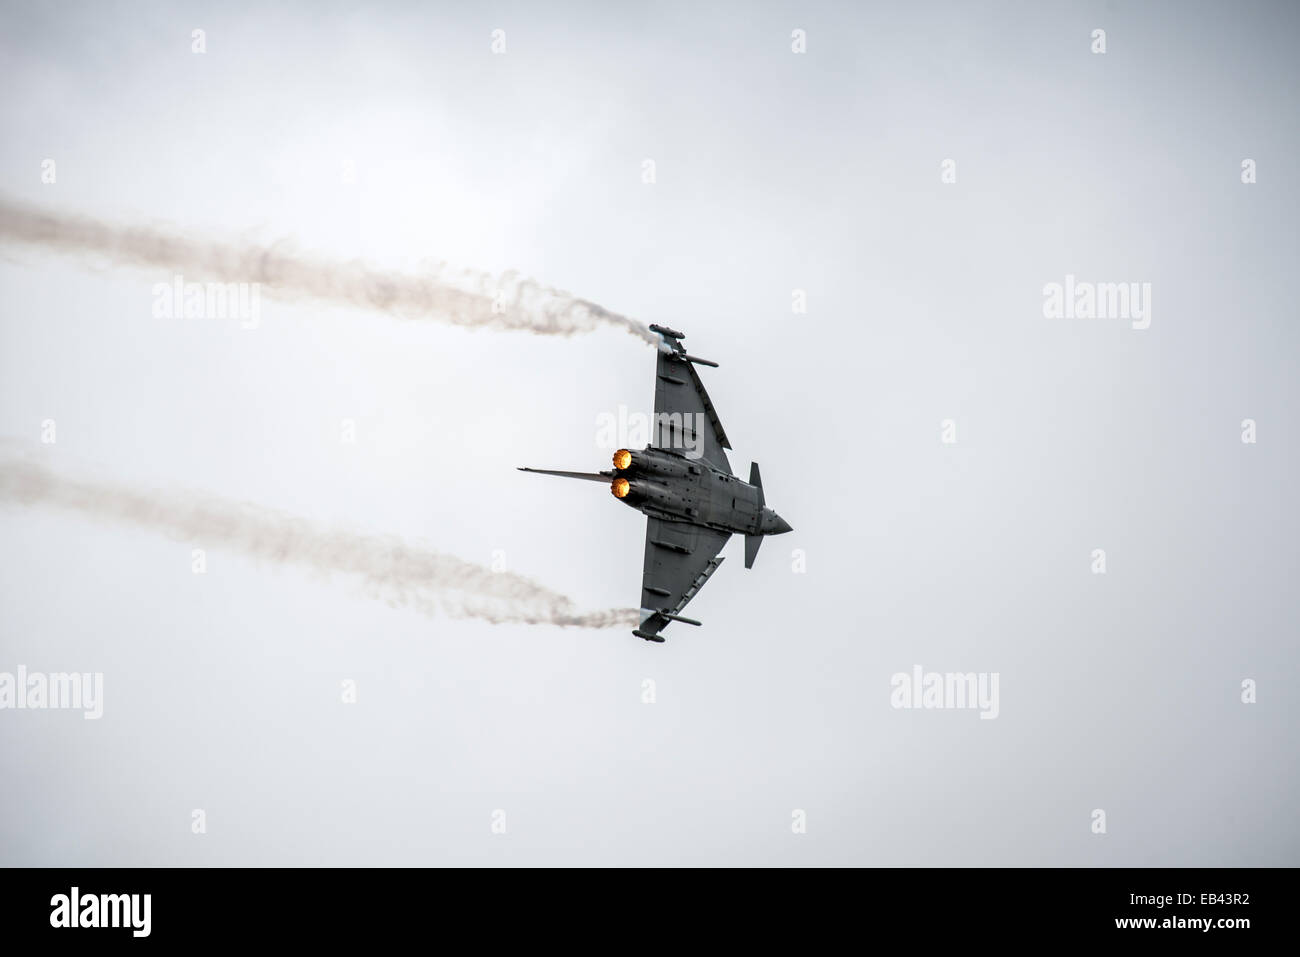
x=774 y=171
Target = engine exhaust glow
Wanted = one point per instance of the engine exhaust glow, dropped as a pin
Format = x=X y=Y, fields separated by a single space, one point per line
x=620 y=487
x=622 y=459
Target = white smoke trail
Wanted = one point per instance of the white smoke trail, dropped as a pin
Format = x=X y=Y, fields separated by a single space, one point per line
x=463 y=298
x=392 y=570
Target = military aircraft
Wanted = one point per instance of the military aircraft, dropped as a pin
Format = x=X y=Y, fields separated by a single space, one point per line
x=683 y=483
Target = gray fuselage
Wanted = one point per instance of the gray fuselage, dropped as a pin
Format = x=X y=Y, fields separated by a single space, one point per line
x=667 y=484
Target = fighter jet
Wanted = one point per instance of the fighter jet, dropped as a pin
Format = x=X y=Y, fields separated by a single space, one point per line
x=683 y=483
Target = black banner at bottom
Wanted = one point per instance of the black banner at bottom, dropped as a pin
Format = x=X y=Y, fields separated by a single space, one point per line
x=92 y=907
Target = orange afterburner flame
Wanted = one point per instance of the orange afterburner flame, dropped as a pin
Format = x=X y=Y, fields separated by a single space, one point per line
x=620 y=487
x=622 y=459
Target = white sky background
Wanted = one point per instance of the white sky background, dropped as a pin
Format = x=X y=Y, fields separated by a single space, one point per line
x=775 y=171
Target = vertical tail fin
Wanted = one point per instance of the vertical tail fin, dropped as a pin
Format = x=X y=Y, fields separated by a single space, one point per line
x=585 y=476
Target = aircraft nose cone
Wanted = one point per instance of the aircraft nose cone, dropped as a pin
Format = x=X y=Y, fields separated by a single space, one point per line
x=779 y=525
